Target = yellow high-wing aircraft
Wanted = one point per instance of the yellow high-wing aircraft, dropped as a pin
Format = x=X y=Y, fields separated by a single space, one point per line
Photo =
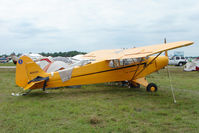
x=131 y=65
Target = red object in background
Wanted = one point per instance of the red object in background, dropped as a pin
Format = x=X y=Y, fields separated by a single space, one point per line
x=46 y=59
x=49 y=61
x=15 y=62
x=197 y=68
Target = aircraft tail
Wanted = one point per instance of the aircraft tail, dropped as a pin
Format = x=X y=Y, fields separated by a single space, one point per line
x=27 y=70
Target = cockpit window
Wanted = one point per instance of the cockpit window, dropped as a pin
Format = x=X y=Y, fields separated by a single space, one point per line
x=123 y=62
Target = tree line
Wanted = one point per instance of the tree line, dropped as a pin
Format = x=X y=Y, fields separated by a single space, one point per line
x=63 y=54
x=54 y=54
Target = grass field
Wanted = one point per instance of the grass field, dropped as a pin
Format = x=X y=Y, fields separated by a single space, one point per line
x=102 y=107
x=7 y=64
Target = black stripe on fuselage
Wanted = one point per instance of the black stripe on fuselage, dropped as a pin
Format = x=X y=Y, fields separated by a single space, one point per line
x=108 y=70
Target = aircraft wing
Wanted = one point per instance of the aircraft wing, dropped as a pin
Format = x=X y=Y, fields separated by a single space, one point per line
x=102 y=54
x=135 y=52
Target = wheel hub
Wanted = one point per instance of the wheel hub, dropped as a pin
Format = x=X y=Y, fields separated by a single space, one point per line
x=152 y=89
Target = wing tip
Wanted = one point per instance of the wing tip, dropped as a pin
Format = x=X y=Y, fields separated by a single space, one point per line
x=187 y=42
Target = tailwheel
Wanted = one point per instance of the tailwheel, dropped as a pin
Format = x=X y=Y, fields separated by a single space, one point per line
x=151 y=87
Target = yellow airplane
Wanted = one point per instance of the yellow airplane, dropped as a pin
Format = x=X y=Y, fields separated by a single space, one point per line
x=131 y=65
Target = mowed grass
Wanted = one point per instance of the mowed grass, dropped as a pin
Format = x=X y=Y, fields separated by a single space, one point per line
x=7 y=64
x=102 y=107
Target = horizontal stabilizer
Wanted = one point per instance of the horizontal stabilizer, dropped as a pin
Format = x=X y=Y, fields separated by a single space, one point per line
x=33 y=85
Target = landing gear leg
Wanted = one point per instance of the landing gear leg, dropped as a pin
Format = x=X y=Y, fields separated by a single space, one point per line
x=138 y=82
x=150 y=87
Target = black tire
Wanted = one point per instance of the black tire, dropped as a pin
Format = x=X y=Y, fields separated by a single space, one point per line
x=151 y=87
x=180 y=64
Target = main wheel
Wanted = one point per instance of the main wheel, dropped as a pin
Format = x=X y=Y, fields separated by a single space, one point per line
x=151 y=87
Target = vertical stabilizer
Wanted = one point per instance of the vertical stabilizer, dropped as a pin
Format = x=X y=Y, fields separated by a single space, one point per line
x=26 y=70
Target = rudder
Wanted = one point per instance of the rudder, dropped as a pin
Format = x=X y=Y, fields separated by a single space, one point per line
x=26 y=70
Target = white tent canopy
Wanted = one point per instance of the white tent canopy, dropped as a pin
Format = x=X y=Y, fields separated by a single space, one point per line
x=192 y=65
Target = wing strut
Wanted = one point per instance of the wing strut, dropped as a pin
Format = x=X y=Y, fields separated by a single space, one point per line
x=146 y=66
x=137 y=69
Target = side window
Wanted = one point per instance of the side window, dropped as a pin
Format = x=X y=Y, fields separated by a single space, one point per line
x=123 y=62
x=177 y=58
x=182 y=58
x=114 y=63
x=111 y=64
x=128 y=61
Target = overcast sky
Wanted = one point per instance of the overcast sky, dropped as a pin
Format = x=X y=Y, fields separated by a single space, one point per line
x=87 y=25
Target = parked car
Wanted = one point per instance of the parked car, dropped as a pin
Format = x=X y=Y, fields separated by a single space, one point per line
x=177 y=60
x=3 y=60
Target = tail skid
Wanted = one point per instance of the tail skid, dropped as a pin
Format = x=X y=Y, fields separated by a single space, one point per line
x=21 y=93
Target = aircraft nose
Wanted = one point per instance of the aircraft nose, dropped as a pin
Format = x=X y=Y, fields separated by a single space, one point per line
x=161 y=62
